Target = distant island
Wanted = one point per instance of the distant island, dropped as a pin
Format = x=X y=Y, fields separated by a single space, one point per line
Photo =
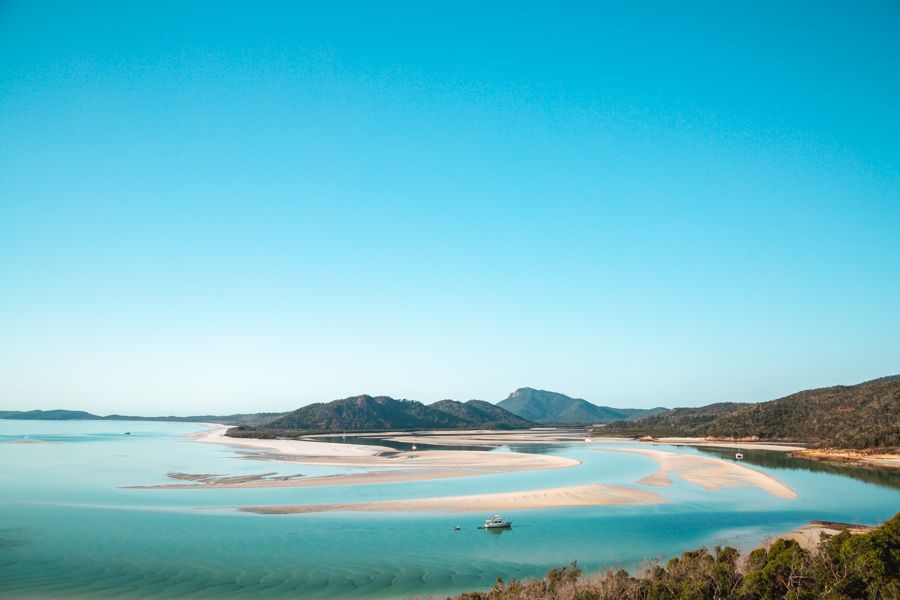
x=249 y=419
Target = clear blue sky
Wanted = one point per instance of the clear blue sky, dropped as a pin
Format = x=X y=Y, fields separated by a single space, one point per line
x=216 y=207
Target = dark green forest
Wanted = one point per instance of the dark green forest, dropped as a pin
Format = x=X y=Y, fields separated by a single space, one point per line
x=860 y=416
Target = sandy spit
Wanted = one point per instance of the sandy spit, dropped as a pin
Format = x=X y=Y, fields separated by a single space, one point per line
x=216 y=435
x=810 y=535
x=392 y=466
x=851 y=457
x=203 y=481
x=708 y=473
x=582 y=495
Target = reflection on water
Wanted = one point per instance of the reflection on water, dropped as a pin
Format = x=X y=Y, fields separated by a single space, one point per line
x=407 y=446
x=883 y=476
x=13 y=536
x=392 y=443
x=498 y=531
x=538 y=448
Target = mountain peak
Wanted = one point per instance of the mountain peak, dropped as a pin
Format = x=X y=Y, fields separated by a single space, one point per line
x=548 y=407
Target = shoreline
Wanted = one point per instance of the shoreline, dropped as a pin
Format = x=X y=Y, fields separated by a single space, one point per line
x=846 y=456
x=388 y=465
x=391 y=466
x=859 y=458
x=809 y=535
x=216 y=435
x=710 y=443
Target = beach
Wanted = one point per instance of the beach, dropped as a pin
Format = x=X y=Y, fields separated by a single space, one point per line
x=216 y=435
x=392 y=466
x=853 y=457
x=810 y=535
x=838 y=455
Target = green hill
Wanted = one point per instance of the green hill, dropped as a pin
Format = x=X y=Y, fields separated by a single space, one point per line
x=382 y=412
x=866 y=415
x=482 y=414
x=547 y=407
x=676 y=421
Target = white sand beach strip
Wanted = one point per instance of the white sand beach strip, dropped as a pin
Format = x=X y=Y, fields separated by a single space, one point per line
x=216 y=435
x=582 y=495
x=392 y=466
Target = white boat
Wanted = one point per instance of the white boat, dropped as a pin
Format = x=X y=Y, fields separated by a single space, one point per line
x=739 y=456
x=496 y=522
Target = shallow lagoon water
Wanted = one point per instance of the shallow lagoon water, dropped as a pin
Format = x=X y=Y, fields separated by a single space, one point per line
x=68 y=529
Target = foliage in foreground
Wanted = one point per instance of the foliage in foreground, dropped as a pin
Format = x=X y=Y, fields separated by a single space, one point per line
x=844 y=567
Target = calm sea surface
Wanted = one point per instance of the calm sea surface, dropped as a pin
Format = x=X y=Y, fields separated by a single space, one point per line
x=69 y=529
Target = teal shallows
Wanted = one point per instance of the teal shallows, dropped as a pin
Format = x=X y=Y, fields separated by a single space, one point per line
x=68 y=530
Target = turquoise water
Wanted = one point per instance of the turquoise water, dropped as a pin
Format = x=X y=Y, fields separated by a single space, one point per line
x=68 y=529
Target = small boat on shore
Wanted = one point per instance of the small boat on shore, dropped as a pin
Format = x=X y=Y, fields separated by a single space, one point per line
x=496 y=522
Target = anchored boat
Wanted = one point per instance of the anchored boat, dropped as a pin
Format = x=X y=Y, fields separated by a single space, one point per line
x=496 y=522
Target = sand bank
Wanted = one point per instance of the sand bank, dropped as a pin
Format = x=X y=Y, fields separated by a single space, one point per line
x=853 y=457
x=476 y=437
x=857 y=457
x=810 y=535
x=708 y=473
x=264 y=480
x=216 y=435
x=392 y=466
x=582 y=495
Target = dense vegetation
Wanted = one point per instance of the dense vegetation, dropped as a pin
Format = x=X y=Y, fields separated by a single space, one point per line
x=482 y=414
x=844 y=567
x=368 y=413
x=676 y=421
x=866 y=415
x=546 y=407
